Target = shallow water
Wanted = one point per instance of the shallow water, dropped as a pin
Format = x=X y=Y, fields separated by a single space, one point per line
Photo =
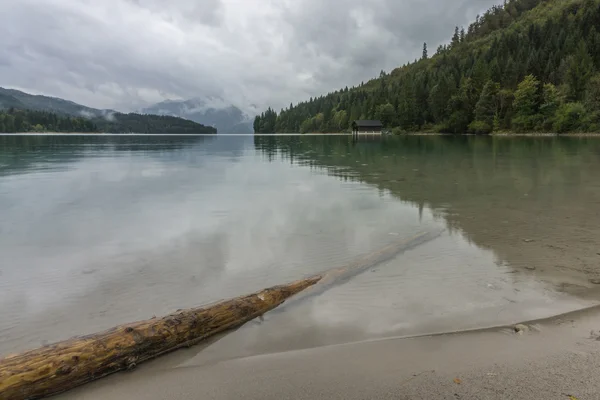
x=101 y=230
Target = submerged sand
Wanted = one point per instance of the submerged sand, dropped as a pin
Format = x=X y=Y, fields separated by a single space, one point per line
x=332 y=346
x=554 y=359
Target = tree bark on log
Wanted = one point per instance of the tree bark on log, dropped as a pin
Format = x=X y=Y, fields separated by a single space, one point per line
x=64 y=365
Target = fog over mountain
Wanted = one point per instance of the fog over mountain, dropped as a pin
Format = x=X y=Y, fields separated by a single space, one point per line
x=211 y=112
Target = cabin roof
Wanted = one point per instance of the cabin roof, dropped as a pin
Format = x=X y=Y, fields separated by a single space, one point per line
x=368 y=123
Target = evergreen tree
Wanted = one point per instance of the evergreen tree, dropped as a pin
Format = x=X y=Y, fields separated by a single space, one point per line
x=456 y=37
x=527 y=104
x=461 y=107
x=580 y=70
x=592 y=95
x=551 y=101
x=486 y=109
x=386 y=114
x=439 y=97
x=256 y=124
x=425 y=56
x=406 y=107
x=592 y=104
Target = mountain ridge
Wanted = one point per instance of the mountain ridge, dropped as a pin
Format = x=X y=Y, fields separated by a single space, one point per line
x=46 y=113
x=50 y=104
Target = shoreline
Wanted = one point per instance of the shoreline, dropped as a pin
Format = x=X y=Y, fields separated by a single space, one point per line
x=489 y=364
x=496 y=134
x=506 y=134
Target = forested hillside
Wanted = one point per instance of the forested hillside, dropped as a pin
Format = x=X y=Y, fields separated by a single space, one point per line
x=25 y=101
x=14 y=120
x=526 y=65
x=24 y=112
x=146 y=123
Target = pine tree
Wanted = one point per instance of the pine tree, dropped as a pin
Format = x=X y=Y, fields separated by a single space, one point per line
x=495 y=72
x=527 y=103
x=439 y=96
x=425 y=56
x=579 y=72
x=406 y=106
x=256 y=124
x=592 y=95
x=487 y=106
x=461 y=107
x=456 y=37
x=510 y=77
x=480 y=74
x=551 y=101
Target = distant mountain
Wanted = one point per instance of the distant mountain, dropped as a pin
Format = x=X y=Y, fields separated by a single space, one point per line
x=212 y=112
x=16 y=98
x=44 y=113
x=8 y=101
x=146 y=123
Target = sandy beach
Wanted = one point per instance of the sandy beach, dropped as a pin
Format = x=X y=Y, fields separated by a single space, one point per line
x=554 y=359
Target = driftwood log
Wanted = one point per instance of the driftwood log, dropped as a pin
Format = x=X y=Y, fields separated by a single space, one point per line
x=64 y=365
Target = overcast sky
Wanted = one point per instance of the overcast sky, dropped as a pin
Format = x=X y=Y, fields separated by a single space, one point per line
x=125 y=54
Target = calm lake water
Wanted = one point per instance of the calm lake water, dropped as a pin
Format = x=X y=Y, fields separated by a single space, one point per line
x=101 y=230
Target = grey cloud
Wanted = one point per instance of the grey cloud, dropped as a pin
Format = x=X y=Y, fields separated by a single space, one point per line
x=362 y=39
x=208 y=12
x=125 y=54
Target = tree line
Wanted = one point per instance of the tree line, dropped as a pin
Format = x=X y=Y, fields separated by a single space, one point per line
x=14 y=120
x=17 y=120
x=149 y=123
x=526 y=65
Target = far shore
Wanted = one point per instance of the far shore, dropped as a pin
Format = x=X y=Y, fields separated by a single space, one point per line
x=499 y=134
x=106 y=133
x=508 y=134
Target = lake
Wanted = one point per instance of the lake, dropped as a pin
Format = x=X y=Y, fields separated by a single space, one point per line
x=98 y=230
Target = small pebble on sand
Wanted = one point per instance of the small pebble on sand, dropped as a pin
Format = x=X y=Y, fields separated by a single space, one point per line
x=530 y=268
x=521 y=329
x=595 y=281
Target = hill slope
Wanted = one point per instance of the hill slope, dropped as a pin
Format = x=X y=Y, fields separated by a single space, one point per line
x=7 y=101
x=24 y=112
x=137 y=123
x=227 y=119
x=47 y=103
x=529 y=65
x=25 y=120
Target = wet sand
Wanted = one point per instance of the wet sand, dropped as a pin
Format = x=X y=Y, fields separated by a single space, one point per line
x=331 y=346
x=555 y=358
x=335 y=346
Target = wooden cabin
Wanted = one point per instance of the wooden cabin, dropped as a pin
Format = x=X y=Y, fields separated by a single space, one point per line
x=367 y=127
